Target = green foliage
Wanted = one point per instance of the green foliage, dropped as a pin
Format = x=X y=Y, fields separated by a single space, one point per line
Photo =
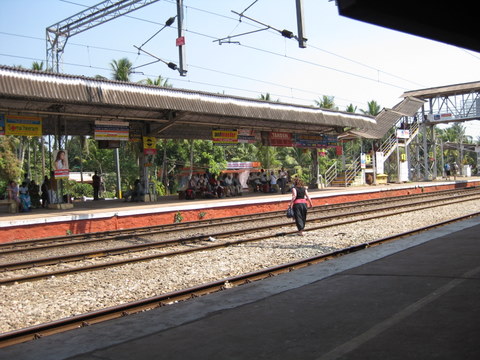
x=373 y=108
x=77 y=190
x=159 y=187
x=10 y=165
x=159 y=81
x=178 y=217
x=351 y=108
x=267 y=155
x=201 y=214
x=326 y=102
x=121 y=69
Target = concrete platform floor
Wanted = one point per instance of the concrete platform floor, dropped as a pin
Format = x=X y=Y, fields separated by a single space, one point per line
x=417 y=298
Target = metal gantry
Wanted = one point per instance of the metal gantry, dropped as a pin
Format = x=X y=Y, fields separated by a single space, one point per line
x=58 y=34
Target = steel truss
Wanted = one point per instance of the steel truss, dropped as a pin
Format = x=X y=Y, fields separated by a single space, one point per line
x=58 y=34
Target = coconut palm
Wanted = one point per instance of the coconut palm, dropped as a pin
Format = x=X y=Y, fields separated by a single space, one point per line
x=121 y=69
x=265 y=97
x=351 y=108
x=326 y=102
x=373 y=108
x=37 y=66
x=159 y=81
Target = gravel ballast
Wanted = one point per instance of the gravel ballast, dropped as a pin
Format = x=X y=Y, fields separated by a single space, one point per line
x=32 y=303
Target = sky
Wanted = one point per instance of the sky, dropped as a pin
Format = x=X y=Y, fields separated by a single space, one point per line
x=352 y=61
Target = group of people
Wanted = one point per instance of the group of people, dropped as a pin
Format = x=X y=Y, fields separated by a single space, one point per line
x=208 y=185
x=135 y=193
x=261 y=181
x=27 y=195
x=451 y=168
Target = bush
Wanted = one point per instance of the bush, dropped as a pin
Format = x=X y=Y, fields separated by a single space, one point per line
x=77 y=190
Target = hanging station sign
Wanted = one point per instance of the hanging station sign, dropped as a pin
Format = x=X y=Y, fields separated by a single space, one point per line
x=314 y=141
x=111 y=130
x=248 y=136
x=22 y=125
x=149 y=145
x=224 y=137
x=277 y=138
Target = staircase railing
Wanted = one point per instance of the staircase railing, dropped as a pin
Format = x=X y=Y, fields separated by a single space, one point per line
x=331 y=174
x=352 y=170
x=414 y=128
x=388 y=146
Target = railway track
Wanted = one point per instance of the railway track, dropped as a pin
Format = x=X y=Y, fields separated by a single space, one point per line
x=90 y=318
x=191 y=244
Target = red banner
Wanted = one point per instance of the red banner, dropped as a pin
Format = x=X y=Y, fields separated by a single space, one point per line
x=280 y=139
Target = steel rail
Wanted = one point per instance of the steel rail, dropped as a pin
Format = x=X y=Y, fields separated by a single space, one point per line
x=104 y=265
x=54 y=260
x=110 y=313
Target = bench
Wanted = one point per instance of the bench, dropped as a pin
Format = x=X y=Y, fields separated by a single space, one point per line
x=12 y=206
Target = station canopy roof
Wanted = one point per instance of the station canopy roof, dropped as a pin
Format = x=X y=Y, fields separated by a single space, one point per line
x=71 y=104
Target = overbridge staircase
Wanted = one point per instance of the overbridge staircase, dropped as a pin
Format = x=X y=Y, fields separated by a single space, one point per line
x=392 y=142
x=352 y=174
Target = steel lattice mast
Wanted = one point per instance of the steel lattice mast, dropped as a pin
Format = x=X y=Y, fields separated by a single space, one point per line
x=58 y=34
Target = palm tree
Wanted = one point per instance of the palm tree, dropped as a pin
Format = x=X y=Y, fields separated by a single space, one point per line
x=351 y=109
x=121 y=69
x=454 y=134
x=37 y=66
x=265 y=97
x=159 y=81
x=326 y=102
x=373 y=108
x=267 y=155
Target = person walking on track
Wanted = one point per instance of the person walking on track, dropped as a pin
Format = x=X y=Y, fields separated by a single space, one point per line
x=300 y=199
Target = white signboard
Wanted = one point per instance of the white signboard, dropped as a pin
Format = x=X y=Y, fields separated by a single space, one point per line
x=379 y=162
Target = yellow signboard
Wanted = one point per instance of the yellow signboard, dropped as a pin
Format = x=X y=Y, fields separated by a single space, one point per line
x=149 y=145
x=224 y=137
x=23 y=125
x=149 y=142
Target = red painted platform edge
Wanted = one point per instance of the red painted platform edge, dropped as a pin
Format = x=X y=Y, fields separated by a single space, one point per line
x=37 y=231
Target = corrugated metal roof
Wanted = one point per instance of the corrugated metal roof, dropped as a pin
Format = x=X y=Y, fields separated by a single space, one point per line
x=110 y=98
x=387 y=118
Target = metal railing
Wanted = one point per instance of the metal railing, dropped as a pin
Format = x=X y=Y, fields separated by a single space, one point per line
x=388 y=146
x=351 y=171
x=414 y=128
x=331 y=174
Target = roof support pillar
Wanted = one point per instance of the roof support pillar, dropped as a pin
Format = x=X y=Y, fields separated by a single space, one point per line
x=315 y=181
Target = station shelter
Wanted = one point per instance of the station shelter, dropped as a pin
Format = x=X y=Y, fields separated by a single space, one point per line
x=38 y=103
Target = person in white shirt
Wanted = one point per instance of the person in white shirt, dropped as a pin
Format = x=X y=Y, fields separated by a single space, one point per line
x=273 y=182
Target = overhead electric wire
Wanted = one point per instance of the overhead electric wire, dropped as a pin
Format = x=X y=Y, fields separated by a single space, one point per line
x=271 y=52
x=249 y=47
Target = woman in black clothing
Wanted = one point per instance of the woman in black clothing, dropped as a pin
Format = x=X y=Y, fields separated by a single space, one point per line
x=299 y=201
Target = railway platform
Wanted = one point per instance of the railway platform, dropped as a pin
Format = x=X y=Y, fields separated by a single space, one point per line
x=415 y=298
x=104 y=215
